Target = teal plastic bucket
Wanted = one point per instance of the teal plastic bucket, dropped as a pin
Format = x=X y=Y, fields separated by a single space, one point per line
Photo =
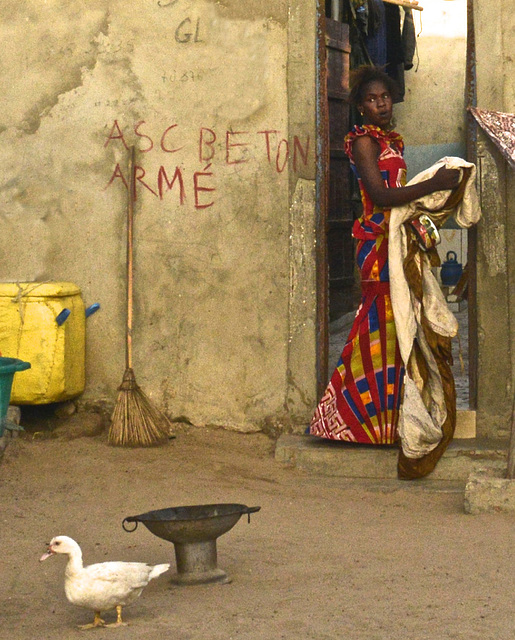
x=8 y=367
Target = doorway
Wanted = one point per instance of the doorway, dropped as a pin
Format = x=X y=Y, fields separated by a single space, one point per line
x=425 y=145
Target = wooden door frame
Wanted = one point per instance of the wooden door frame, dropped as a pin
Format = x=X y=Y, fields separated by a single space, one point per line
x=322 y=192
x=471 y=101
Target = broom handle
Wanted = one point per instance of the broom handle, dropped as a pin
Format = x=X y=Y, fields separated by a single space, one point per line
x=130 y=225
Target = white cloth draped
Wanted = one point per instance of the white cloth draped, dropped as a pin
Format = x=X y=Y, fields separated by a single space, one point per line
x=420 y=422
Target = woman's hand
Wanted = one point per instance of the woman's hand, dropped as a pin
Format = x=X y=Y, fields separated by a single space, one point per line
x=445 y=179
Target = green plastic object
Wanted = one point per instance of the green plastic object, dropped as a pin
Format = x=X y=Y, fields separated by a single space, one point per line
x=8 y=367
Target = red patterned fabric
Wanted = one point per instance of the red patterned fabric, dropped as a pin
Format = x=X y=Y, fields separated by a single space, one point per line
x=501 y=129
x=361 y=402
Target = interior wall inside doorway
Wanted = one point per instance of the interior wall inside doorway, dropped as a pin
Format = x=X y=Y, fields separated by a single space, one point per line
x=432 y=118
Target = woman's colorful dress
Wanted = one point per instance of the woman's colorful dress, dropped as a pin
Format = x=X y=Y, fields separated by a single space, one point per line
x=362 y=400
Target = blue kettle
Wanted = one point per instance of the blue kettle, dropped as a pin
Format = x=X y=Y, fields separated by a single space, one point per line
x=451 y=270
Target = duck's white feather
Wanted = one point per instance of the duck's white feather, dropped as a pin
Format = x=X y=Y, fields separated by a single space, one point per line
x=105 y=585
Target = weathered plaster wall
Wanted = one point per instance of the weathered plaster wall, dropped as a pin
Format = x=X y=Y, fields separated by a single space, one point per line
x=301 y=95
x=495 y=384
x=495 y=39
x=495 y=42
x=202 y=89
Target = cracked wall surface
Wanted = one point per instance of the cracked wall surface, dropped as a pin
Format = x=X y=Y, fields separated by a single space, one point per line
x=200 y=89
x=495 y=302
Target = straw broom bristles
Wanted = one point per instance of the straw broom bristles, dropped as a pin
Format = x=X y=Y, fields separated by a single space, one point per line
x=134 y=422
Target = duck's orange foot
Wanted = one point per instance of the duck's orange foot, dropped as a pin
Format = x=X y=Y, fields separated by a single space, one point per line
x=97 y=622
x=119 y=622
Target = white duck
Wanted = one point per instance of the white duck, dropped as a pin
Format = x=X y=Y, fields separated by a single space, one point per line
x=102 y=586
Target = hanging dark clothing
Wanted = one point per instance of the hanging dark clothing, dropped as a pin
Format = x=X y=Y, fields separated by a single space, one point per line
x=394 y=50
x=388 y=46
x=409 y=39
x=375 y=39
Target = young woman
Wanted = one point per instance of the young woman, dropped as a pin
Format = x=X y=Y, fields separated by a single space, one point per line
x=362 y=400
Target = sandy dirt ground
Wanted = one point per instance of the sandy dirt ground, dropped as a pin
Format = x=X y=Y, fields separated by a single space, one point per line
x=324 y=558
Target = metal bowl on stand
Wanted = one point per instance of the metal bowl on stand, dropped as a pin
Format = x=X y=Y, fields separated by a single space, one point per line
x=193 y=531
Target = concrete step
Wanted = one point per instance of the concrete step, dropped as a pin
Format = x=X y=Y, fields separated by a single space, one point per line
x=330 y=458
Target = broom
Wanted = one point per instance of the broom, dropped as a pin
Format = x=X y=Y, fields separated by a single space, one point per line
x=134 y=422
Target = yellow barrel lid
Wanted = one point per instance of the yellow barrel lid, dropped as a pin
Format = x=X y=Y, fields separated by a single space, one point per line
x=38 y=289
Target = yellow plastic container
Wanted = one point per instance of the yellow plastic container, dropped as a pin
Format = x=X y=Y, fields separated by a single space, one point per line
x=32 y=330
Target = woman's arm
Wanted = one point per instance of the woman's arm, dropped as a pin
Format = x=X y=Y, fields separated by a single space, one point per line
x=366 y=151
